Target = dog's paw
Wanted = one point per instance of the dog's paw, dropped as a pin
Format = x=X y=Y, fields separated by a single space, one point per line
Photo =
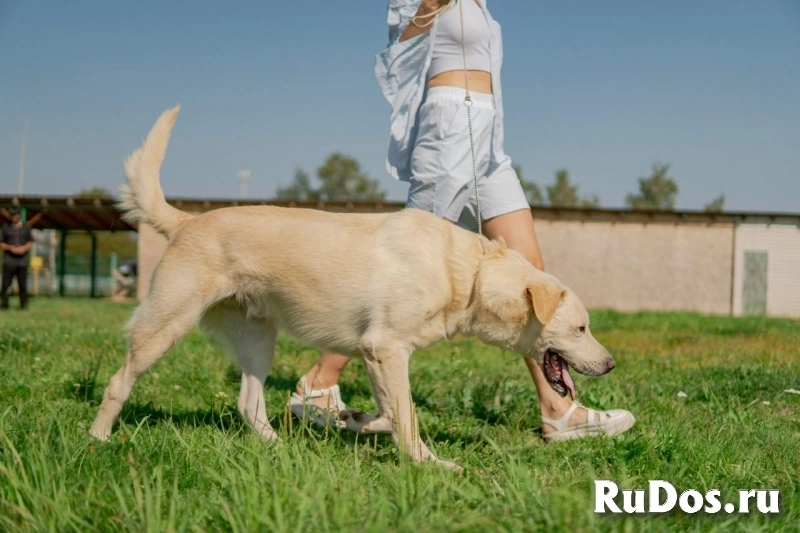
x=100 y=432
x=361 y=422
x=267 y=433
x=447 y=464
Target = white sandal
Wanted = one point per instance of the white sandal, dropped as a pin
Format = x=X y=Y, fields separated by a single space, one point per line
x=336 y=415
x=301 y=406
x=608 y=423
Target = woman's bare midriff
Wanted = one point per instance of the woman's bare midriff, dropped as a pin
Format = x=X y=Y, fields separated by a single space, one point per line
x=479 y=81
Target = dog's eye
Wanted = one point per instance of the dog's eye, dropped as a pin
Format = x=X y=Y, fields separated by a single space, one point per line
x=582 y=329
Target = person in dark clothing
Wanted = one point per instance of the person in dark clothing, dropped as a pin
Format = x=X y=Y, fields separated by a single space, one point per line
x=129 y=268
x=16 y=241
x=125 y=276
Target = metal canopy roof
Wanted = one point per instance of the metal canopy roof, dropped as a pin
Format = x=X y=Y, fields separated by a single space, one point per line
x=65 y=213
x=101 y=214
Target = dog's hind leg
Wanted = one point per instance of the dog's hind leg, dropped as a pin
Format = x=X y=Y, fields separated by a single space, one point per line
x=158 y=323
x=252 y=341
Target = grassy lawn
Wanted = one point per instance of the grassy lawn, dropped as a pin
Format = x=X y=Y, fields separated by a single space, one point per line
x=183 y=461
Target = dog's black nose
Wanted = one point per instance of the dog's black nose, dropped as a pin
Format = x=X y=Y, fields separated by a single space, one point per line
x=611 y=365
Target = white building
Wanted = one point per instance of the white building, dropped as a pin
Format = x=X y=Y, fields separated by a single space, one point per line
x=766 y=267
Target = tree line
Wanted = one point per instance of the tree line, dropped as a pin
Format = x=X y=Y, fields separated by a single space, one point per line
x=340 y=178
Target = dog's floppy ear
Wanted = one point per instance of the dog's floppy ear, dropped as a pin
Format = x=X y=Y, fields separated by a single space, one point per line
x=545 y=297
x=507 y=305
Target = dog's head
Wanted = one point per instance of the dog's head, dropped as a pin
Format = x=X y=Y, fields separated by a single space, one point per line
x=532 y=313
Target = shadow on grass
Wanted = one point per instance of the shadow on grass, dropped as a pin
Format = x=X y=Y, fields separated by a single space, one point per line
x=83 y=384
x=226 y=418
x=281 y=382
x=490 y=406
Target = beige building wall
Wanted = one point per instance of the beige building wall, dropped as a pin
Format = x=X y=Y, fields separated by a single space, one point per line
x=632 y=266
x=628 y=266
x=781 y=241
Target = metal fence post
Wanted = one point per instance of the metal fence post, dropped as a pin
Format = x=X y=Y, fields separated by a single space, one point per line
x=93 y=267
x=62 y=262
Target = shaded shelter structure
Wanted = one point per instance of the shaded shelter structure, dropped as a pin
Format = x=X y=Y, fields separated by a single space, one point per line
x=69 y=215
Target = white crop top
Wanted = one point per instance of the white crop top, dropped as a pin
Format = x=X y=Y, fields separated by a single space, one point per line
x=447 y=54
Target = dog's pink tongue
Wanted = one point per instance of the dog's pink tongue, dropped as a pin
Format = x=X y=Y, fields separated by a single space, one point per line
x=567 y=378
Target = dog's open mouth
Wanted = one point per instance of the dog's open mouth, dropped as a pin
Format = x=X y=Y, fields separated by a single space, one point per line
x=556 y=370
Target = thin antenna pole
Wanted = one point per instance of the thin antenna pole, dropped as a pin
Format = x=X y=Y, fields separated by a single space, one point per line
x=21 y=182
x=244 y=175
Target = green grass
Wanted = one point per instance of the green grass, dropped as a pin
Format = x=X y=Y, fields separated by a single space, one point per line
x=183 y=461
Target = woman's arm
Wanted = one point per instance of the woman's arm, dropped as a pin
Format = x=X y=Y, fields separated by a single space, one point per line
x=19 y=250
x=427 y=7
x=34 y=219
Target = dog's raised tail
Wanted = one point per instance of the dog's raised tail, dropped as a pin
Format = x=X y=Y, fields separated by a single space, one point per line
x=142 y=199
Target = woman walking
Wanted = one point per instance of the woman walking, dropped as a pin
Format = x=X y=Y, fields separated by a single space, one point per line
x=441 y=74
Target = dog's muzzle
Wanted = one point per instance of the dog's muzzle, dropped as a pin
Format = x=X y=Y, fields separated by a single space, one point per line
x=556 y=371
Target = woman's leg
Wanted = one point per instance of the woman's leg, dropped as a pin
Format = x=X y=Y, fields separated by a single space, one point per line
x=517 y=229
x=324 y=374
x=427 y=170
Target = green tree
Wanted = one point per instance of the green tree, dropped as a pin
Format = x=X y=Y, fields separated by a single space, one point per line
x=717 y=205
x=532 y=190
x=95 y=192
x=340 y=178
x=562 y=193
x=300 y=189
x=590 y=202
x=656 y=192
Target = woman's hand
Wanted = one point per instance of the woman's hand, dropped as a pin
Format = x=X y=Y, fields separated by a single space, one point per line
x=433 y=5
x=422 y=21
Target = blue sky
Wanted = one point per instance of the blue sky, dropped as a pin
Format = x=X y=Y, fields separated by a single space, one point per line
x=603 y=89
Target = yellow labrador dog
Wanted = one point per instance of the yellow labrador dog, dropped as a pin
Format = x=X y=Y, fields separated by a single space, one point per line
x=375 y=285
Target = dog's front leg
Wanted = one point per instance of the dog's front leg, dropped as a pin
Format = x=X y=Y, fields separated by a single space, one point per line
x=388 y=372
